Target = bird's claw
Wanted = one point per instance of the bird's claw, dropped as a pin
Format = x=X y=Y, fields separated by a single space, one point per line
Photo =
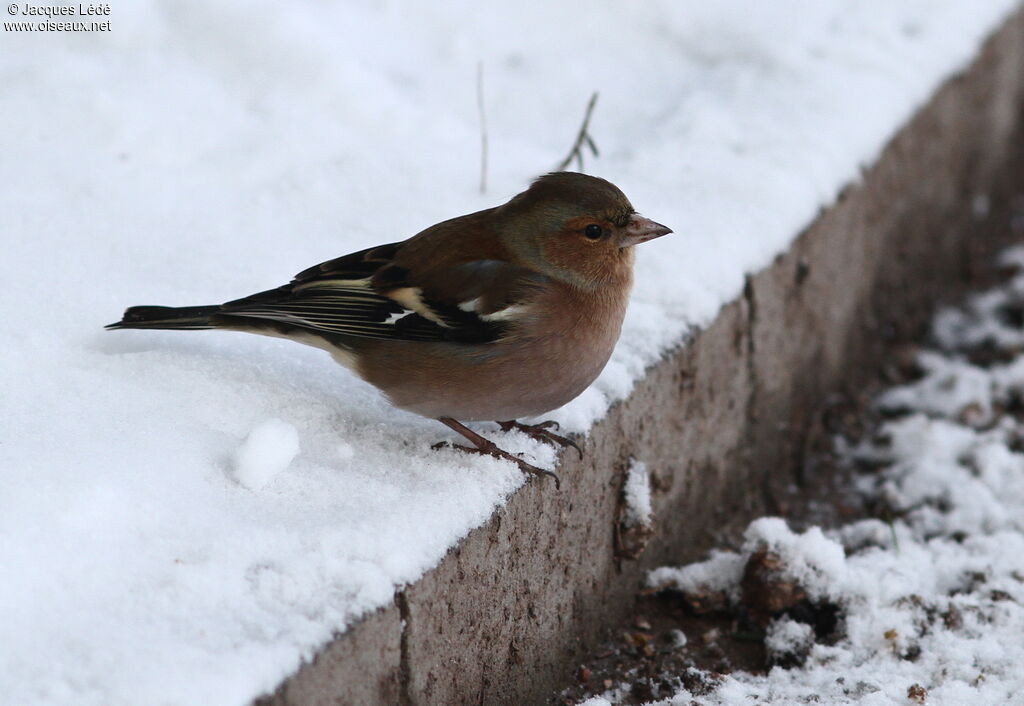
x=495 y=452
x=542 y=432
x=549 y=424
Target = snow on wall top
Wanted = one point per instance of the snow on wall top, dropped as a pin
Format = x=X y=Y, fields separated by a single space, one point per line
x=199 y=151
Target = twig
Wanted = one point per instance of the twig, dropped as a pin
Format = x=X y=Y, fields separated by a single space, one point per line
x=583 y=138
x=483 y=125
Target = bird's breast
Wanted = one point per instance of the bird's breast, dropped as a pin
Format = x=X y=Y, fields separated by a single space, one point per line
x=558 y=344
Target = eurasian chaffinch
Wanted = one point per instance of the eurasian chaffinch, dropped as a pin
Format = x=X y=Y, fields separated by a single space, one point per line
x=504 y=313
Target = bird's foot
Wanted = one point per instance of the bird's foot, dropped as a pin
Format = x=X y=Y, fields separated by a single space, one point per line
x=497 y=452
x=486 y=447
x=542 y=432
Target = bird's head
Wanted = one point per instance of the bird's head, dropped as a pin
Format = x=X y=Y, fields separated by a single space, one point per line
x=576 y=228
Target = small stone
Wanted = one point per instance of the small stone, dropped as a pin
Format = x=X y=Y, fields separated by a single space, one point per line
x=638 y=639
x=767 y=591
x=917 y=694
x=641 y=690
x=704 y=602
x=677 y=638
x=952 y=618
x=973 y=415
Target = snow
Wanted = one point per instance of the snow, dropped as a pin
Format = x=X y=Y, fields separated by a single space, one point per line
x=810 y=559
x=932 y=605
x=636 y=493
x=267 y=451
x=720 y=573
x=787 y=637
x=959 y=387
x=203 y=150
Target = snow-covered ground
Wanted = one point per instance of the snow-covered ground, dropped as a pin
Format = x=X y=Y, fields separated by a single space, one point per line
x=931 y=606
x=185 y=516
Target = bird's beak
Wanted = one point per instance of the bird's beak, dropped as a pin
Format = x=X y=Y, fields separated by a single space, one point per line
x=640 y=230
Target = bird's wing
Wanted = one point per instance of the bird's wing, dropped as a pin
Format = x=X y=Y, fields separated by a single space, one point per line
x=367 y=294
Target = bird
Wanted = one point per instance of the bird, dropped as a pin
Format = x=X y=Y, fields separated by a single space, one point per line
x=502 y=314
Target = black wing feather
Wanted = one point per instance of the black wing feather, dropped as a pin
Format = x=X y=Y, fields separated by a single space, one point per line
x=350 y=296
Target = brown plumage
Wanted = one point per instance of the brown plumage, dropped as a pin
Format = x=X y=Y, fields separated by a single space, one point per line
x=504 y=313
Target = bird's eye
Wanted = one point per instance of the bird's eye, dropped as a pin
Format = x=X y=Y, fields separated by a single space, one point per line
x=593 y=231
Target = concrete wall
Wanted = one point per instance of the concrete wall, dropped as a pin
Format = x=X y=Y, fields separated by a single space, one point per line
x=722 y=423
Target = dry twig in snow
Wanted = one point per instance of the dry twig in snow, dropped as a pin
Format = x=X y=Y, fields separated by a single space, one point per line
x=582 y=138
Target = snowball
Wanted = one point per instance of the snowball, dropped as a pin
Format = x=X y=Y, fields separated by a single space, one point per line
x=267 y=451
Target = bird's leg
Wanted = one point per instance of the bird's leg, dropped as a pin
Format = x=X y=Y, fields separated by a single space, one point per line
x=542 y=432
x=489 y=448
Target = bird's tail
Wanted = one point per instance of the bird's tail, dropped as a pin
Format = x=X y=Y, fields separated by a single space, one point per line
x=182 y=318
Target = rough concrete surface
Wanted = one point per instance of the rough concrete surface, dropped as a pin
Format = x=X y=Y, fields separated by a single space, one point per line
x=720 y=422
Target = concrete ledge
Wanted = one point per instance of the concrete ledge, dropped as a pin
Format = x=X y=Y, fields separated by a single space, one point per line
x=721 y=424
